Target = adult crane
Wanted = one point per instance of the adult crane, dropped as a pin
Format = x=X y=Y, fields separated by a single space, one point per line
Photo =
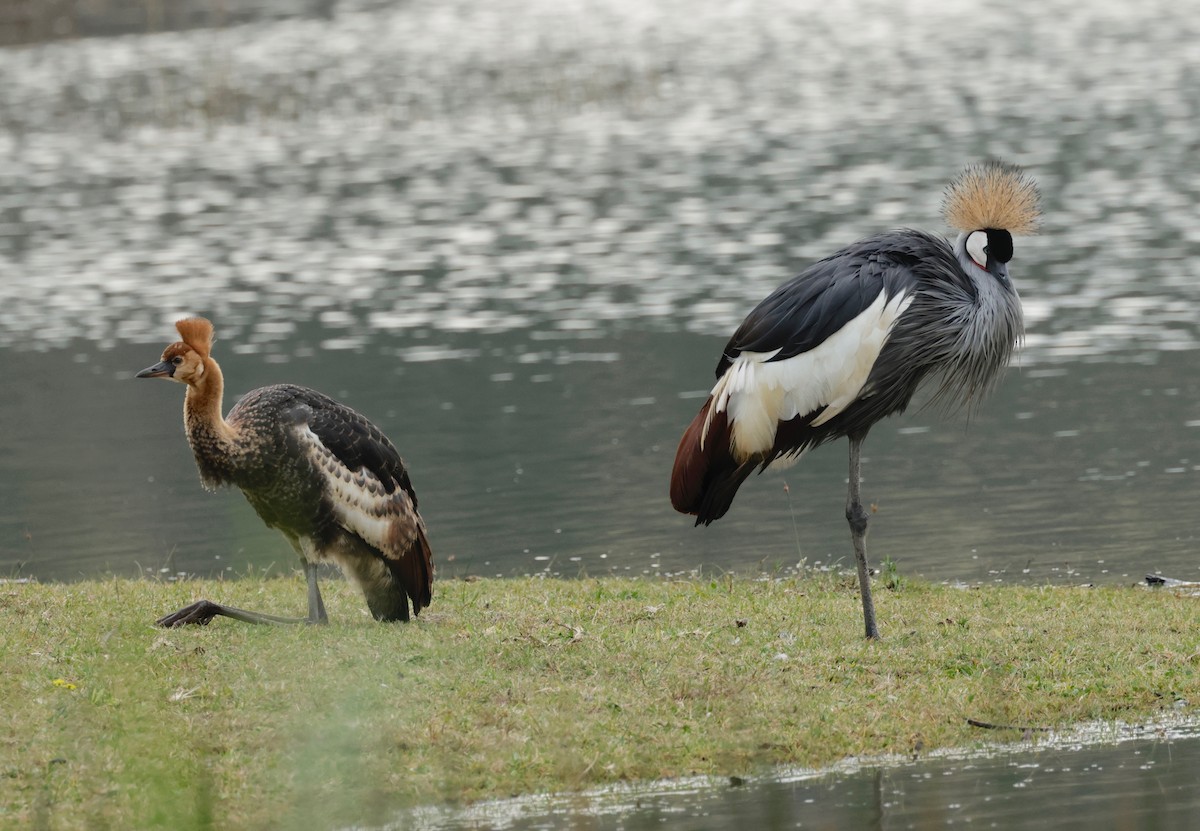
x=851 y=339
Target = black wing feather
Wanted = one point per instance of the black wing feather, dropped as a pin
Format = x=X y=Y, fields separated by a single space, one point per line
x=805 y=311
x=351 y=437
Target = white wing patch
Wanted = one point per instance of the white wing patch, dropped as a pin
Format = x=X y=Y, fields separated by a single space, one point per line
x=360 y=502
x=759 y=394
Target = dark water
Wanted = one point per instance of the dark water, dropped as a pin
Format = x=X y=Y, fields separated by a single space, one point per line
x=552 y=456
x=516 y=235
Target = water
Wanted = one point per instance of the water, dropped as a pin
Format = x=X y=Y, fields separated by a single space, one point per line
x=541 y=455
x=1138 y=778
x=518 y=242
x=517 y=234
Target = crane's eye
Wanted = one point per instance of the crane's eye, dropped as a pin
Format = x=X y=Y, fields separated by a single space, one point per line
x=977 y=248
x=177 y=360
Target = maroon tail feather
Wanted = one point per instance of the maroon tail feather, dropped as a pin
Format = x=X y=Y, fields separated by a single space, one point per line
x=414 y=571
x=705 y=479
x=408 y=574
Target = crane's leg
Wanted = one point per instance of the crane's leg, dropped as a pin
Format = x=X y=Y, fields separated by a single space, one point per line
x=857 y=516
x=316 y=608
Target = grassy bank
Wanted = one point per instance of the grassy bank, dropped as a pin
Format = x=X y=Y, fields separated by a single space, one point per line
x=530 y=685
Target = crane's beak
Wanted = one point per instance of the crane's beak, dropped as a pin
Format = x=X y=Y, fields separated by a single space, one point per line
x=162 y=369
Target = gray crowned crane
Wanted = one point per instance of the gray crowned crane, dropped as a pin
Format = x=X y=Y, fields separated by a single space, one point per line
x=315 y=470
x=851 y=339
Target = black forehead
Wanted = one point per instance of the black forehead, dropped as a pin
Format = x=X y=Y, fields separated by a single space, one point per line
x=1000 y=245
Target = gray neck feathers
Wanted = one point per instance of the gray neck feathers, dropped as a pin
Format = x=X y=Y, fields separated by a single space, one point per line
x=989 y=324
x=962 y=327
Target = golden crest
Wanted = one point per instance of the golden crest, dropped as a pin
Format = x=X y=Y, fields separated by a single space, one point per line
x=993 y=194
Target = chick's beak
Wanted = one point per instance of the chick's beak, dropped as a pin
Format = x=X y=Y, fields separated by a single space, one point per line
x=162 y=369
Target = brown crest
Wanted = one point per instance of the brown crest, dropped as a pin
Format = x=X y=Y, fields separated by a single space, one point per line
x=197 y=333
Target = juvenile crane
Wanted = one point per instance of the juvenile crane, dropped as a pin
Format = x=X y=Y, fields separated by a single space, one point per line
x=849 y=341
x=314 y=469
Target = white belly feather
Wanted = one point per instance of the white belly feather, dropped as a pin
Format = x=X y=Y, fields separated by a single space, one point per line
x=759 y=393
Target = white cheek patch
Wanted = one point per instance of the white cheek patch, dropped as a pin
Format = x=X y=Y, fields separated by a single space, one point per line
x=759 y=393
x=977 y=244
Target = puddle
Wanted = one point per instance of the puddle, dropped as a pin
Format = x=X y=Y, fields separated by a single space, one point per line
x=1101 y=775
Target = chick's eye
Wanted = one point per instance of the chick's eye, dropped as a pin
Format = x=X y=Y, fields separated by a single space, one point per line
x=177 y=360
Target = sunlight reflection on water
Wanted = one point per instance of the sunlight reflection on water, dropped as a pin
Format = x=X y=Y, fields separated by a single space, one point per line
x=663 y=166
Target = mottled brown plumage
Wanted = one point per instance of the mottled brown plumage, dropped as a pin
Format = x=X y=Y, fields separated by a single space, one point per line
x=316 y=470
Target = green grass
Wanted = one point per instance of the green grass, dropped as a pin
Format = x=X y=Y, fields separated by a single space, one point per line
x=528 y=685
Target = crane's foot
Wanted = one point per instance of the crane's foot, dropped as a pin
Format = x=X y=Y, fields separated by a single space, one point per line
x=872 y=631
x=202 y=612
x=199 y=613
